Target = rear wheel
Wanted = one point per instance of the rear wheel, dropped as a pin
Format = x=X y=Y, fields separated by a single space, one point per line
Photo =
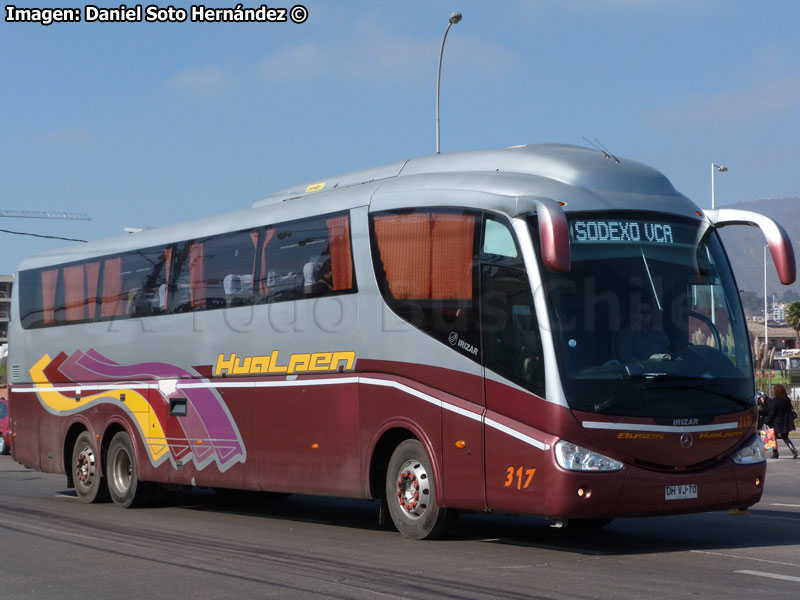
x=123 y=482
x=86 y=475
x=3 y=445
x=411 y=494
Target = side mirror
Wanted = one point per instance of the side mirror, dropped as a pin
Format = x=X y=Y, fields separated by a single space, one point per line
x=780 y=246
x=553 y=230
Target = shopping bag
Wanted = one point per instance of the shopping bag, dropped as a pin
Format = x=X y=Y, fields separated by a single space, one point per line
x=768 y=437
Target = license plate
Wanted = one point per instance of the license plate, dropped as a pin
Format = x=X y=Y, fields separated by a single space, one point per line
x=680 y=492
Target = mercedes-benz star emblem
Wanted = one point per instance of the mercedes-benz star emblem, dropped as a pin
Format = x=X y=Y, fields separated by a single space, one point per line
x=686 y=440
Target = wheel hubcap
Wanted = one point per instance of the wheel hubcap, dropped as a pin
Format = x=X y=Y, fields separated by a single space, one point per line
x=85 y=468
x=122 y=471
x=413 y=489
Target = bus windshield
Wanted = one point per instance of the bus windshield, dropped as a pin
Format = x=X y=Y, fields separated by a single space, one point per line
x=648 y=322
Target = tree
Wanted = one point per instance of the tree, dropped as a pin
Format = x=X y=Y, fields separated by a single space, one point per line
x=793 y=319
x=752 y=302
x=790 y=295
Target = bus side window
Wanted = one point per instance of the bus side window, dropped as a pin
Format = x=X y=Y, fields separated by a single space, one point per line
x=229 y=264
x=425 y=266
x=142 y=274
x=305 y=259
x=512 y=346
x=498 y=243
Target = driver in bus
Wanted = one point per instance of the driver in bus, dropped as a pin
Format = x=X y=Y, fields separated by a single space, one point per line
x=641 y=339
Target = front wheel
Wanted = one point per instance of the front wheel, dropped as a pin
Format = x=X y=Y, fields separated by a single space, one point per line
x=411 y=494
x=4 y=449
x=86 y=475
x=123 y=482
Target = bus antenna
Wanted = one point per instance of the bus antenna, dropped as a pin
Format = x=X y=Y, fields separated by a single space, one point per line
x=608 y=153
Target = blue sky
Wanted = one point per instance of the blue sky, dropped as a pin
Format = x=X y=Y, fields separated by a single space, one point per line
x=141 y=124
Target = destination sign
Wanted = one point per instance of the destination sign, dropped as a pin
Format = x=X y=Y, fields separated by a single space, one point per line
x=622 y=232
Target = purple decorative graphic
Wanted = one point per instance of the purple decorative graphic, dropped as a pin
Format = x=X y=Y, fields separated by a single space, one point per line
x=206 y=434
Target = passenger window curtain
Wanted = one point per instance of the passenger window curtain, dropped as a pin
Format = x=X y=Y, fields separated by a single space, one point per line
x=254 y=238
x=75 y=293
x=427 y=256
x=92 y=278
x=197 y=282
x=163 y=302
x=262 y=285
x=49 y=283
x=111 y=304
x=341 y=257
x=404 y=243
x=452 y=240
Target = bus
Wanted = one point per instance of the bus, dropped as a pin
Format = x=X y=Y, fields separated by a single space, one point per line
x=457 y=332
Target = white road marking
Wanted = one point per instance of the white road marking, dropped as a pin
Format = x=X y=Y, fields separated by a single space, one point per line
x=750 y=558
x=790 y=505
x=770 y=575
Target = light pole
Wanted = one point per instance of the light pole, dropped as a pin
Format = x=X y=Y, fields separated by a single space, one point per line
x=714 y=169
x=766 y=318
x=454 y=18
x=722 y=169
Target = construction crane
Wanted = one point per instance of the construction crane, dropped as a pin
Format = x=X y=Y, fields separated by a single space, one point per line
x=37 y=214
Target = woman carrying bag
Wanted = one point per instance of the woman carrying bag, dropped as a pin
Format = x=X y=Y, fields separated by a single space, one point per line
x=781 y=418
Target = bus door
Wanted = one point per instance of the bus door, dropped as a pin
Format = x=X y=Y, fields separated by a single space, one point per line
x=514 y=372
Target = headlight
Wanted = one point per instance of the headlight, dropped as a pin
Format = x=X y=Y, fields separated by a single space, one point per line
x=575 y=458
x=752 y=453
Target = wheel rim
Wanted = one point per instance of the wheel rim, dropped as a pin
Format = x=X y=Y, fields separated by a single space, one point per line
x=85 y=468
x=121 y=471
x=2 y=443
x=413 y=489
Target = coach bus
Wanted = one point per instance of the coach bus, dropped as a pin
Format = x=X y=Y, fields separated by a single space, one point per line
x=538 y=330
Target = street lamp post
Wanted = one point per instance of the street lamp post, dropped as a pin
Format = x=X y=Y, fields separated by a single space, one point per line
x=722 y=169
x=766 y=318
x=714 y=169
x=454 y=18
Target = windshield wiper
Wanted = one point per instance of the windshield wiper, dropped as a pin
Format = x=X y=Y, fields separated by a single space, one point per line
x=668 y=381
x=702 y=383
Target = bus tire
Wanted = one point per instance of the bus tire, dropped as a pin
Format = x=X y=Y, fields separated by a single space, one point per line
x=411 y=494
x=123 y=482
x=86 y=474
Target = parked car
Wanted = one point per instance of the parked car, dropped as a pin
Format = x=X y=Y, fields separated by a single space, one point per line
x=5 y=426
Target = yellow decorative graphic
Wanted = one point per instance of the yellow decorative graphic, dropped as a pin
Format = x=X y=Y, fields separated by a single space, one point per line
x=318 y=362
x=315 y=187
x=138 y=406
x=640 y=436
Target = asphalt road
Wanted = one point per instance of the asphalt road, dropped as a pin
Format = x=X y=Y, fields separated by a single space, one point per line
x=195 y=545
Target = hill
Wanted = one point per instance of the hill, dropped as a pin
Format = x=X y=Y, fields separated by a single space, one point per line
x=745 y=247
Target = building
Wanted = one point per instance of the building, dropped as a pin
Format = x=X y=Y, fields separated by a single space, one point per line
x=778 y=311
x=5 y=306
x=781 y=337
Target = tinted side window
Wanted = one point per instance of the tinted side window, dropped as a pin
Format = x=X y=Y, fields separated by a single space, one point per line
x=425 y=266
x=305 y=259
x=116 y=286
x=512 y=346
x=288 y=261
x=142 y=282
x=214 y=272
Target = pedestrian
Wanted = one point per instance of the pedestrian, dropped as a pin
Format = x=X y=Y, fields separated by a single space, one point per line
x=780 y=418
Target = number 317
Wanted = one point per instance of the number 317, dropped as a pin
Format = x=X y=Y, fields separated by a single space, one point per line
x=518 y=474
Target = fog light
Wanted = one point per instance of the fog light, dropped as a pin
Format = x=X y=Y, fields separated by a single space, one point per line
x=584 y=492
x=758 y=481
